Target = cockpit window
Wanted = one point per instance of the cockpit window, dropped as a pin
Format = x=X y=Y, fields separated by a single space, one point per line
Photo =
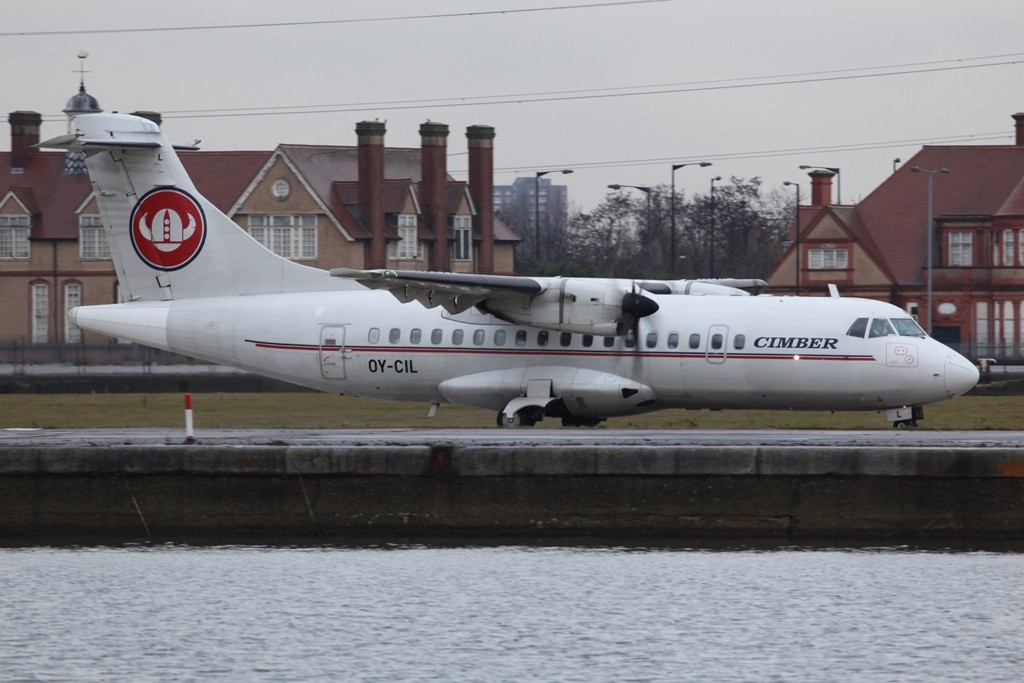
x=907 y=327
x=880 y=327
x=858 y=328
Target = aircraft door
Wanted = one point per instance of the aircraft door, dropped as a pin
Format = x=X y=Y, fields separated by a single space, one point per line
x=717 y=348
x=332 y=351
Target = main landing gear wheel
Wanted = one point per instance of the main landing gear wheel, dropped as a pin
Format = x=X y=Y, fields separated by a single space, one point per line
x=903 y=424
x=524 y=417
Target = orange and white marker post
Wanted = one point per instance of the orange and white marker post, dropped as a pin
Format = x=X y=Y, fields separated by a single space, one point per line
x=190 y=434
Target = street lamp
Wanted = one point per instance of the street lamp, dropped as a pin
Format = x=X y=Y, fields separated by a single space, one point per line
x=930 y=228
x=797 y=251
x=839 y=179
x=711 y=240
x=676 y=167
x=647 y=230
x=536 y=209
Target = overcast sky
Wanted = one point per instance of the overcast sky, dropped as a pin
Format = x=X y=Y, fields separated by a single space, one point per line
x=756 y=87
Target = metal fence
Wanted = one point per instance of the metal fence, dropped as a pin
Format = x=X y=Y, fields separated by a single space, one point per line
x=18 y=357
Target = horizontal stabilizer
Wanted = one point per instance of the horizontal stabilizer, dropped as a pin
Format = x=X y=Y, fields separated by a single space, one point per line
x=76 y=142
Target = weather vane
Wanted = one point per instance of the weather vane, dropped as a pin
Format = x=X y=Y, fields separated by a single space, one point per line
x=82 y=55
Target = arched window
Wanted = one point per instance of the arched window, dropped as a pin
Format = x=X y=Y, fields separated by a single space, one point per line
x=72 y=299
x=40 y=293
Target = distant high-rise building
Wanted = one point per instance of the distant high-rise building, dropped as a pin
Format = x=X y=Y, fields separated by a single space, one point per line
x=524 y=201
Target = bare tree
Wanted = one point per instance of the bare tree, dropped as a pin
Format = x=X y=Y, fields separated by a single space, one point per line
x=605 y=242
x=619 y=238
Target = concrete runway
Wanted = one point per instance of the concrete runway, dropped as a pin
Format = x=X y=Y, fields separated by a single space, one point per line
x=519 y=438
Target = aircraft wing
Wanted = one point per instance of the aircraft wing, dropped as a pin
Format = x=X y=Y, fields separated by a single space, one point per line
x=588 y=306
x=599 y=306
x=455 y=292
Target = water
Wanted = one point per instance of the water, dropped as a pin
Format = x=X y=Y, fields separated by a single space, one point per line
x=414 y=612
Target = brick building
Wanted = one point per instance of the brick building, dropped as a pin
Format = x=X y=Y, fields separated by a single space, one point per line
x=878 y=248
x=364 y=206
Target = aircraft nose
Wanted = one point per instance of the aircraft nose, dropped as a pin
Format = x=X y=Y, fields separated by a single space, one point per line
x=961 y=375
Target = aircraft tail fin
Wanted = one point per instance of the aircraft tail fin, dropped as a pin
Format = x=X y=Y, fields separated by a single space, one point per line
x=167 y=241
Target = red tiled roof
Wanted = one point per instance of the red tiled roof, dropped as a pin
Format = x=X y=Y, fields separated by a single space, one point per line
x=851 y=218
x=343 y=202
x=221 y=177
x=395 y=193
x=54 y=195
x=322 y=166
x=982 y=181
x=1014 y=204
x=503 y=233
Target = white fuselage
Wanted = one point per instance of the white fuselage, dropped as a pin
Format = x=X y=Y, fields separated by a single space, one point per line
x=695 y=352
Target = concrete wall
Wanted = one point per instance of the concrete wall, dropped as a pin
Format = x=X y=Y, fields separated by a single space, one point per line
x=778 y=492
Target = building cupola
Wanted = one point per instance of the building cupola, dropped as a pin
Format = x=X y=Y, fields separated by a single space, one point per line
x=81 y=103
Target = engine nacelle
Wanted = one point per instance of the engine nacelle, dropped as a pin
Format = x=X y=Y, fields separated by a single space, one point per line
x=582 y=392
x=588 y=306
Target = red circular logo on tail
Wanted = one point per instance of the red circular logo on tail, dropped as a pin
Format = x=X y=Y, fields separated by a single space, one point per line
x=168 y=228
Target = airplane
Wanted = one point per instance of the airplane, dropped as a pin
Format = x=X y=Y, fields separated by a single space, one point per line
x=581 y=349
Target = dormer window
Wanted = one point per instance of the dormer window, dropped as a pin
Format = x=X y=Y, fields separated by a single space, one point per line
x=462 y=231
x=828 y=259
x=14 y=230
x=408 y=245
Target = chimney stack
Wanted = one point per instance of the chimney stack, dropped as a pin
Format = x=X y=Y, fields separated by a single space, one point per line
x=371 y=189
x=434 y=182
x=821 y=187
x=1019 y=118
x=481 y=189
x=24 y=133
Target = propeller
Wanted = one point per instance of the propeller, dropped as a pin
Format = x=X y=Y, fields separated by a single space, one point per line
x=635 y=306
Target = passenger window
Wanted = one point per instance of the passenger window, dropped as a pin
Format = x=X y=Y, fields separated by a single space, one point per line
x=395 y=335
x=436 y=336
x=880 y=327
x=694 y=341
x=499 y=337
x=521 y=338
x=673 y=340
x=542 y=338
x=415 y=335
x=858 y=328
x=652 y=340
x=588 y=340
x=374 y=335
x=716 y=341
x=630 y=339
x=457 y=337
x=609 y=342
x=739 y=341
x=565 y=339
x=478 y=337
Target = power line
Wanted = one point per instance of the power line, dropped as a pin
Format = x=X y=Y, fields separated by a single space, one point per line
x=654 y=88
x=597 y=93
x=759 y=154
x=327 y=22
